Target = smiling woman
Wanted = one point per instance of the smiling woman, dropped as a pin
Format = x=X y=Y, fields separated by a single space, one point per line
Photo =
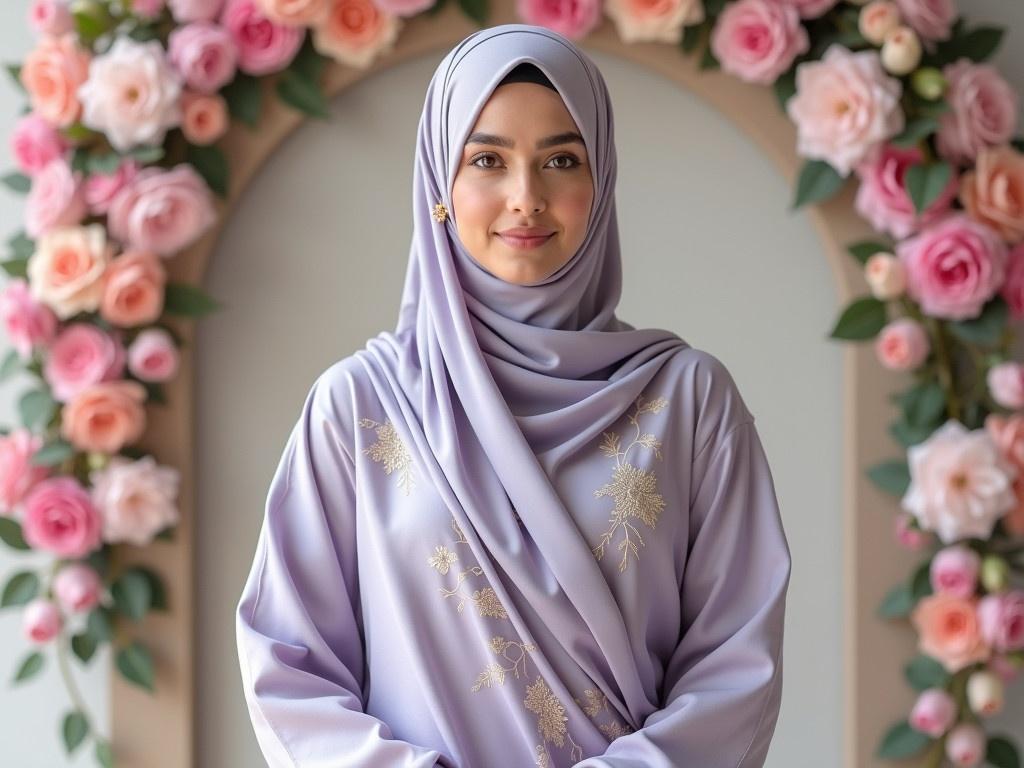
x=523 y=192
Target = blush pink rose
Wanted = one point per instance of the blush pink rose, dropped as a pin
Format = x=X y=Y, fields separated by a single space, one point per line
x=40 y=621
x=1013 y=287
x=138 y=499
x=882 y=197
x=81 y=356
x=933 y=712
x=954 y=570
x=1002 y=620
x=757 y=40
x=844 y=105
x=908 y=536
x=965 y=745
x=56 y=199
x=993 y=191
x=983 y=111
x=105 y=417
x=902 y=345
x=572 y=18
x=35 y=143
x=153 y=356
x=101 y=188
x=52 y=74
x=931 y=19
x=50 y=17
x=60 y=518
x=17 y=473
x=162 y=210
x=133 y=289
x=204 y=117
x=204 y=54
x=77 y=587
x=953 y=266
x=185 y=11
x=355 y=32
x=263 y=45
x=811 y=9
x=28 y=322
x=949 y=631
x=295 y=13
x=1006 y=383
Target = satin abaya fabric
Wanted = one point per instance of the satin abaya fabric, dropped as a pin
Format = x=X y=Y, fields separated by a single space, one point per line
x=517 y=530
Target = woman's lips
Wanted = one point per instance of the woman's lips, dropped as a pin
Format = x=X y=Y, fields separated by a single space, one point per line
x=517 y=241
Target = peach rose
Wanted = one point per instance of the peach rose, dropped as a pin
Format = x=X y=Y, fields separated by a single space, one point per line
x=949 y=630
x=66 y=269
x=28 y=322
x=133 y=289
x=17 y=473
x=653 y=20
x=204 y=118
x=294 y=13
x=52 y=73
x=355 y=32
x=993 y=191
x=105 y=417
x=56 y=199
x=81 y=356
x=153 y=356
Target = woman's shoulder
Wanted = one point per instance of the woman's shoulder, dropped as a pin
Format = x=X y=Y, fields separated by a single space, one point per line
x=342 y=394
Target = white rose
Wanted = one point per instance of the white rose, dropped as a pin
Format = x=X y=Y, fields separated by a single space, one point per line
x=65 y=272
x=137 y=499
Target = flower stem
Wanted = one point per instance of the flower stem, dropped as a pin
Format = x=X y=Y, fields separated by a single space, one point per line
x=69 y=682
x=945 y=367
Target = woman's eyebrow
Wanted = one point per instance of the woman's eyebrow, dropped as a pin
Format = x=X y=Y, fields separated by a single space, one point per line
x=501 y=141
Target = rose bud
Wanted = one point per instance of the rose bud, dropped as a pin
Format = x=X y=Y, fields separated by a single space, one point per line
x=985 y=693
x=995 y=573
x=885 y=275
x=41 y=621
x=965 y=745
x=901 y=51
x=928 y=83
x=876 y=19
x=933 y=712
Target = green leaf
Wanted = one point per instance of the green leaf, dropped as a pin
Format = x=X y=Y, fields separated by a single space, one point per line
x=902 y=740
x=105 y=164
x=21 y=246
x=14 y=70
x=897 y=603
x=908 y=434
x=244 y=97
x=10 y=533
x=185 y=299
x=99 y=624
x=986 y=328
x=30 y=666
x=713 y=7
x=926 y=405
x=708 y=60
x=920 y=582
x=12 y=364
x=136 y=665
x=154 y=392
x=692 y=35
x=435 y=8
x=865 y=249
x=20 y=589
x=861 y=320
x=302 y=94
x=477 y=10
x=103 y=754
x=785 y=87
x=76 y=132
x=157 y=592
x=15 y=267
x=53 y=454
x=212 y=165
x=977 y=45
x=308 y=62
x=818 y=181
x=925 y=672
x=36 y=408
x=88 y=26
x=99 y=560
x=924 y=183
x=1002 y=753
x=75 y=729
x=891 y=476
x=132 y=594
x=916 y=130
x=167 y=534
x=17 y=182
x=84 y=646
x=147 y=155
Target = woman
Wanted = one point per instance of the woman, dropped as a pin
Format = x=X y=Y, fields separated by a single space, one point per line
x=517 y=531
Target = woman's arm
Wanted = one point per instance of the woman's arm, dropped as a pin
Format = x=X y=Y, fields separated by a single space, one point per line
x=723 y=683
x=298 y=621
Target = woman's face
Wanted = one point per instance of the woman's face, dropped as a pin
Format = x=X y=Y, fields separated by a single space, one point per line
x=524 y=171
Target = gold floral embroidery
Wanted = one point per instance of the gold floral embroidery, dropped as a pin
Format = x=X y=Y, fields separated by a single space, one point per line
x=596 y=703
x=442 y=558
x=634 y=490
x=495 y=672
x=486 y=600
x=391 y=450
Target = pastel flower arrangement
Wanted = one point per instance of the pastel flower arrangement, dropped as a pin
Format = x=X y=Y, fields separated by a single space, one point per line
x=117 y=154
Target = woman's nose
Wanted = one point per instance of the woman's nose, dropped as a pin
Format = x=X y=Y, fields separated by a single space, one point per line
x=527 y=193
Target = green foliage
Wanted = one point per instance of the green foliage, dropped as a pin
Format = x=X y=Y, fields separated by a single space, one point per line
x=135 y=664
x=20 y=589
x=74 y=730
x=189 y=300
x=862 y=319
x=925 y=182
x=10 y=534
x=818 y=181
x=902 y=740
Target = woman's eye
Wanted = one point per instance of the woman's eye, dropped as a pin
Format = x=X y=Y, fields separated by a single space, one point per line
x=573 y=162
x=477 y=160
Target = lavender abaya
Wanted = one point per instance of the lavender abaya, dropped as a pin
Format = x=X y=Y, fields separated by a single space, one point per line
x=517 y=531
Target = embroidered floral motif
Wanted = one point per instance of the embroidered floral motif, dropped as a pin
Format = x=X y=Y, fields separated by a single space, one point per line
x=633 y=490
x=495 y=672
x=596 y=703
x=486 y=599
x=442 y=558
x=391 y=450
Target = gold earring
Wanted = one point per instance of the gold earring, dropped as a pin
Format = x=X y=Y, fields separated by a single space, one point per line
x=440 y=213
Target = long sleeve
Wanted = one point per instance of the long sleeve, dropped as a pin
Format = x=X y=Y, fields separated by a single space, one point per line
x=723 y=683
x=298 y=624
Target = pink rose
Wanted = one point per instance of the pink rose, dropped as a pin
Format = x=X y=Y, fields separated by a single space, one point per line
x=757 y=40
x=993 y=191
x=81 y=356
x=204 y=54
x=931 y=19
x=954 y=570
x=1013 y=287
x=1006 y=382
x=153 y=356
x=965 y=745
x=162 y=210
x=953 y=266
x=263 y=45
x=185 y=11
x=40 y=621
x=204 y=118
x=101 y=188
x=1007 y=432
x=137 y=499
x=811 y=9
x=933 y=712
x=1007 y=669
x=902 y=345
x=52 y=73
x=355 y=32
x=949 y=631
x=55 y=199
x=35 y=143
x=77 y=587
x=133 y=289
x=572 y=18
x=17 y=473
x=60 y=518
x=50 y=17
x=28 y=322
x=983 y=111
x=844 y=105
x=908 y=536
x=882 y=197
